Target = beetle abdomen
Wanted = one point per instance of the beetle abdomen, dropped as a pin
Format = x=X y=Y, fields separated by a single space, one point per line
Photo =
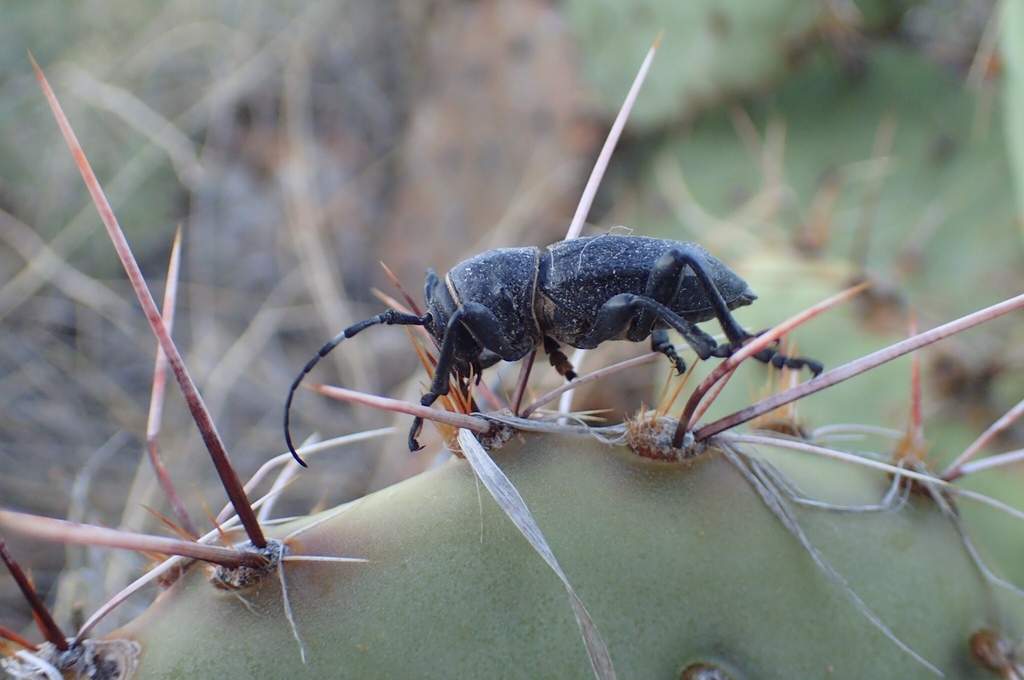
x=597 y=268
x=577 y=277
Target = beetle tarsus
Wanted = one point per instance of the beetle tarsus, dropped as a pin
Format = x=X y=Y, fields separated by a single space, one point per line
x=660 y=343
x=558 y=360
x=414 y=433
x=771 y=356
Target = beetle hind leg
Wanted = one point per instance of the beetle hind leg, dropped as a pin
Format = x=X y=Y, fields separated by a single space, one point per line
x=735 y=334
x=772 y=356
x=663 y=286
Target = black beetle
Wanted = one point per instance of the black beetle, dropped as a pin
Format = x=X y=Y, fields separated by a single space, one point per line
x=503 y=303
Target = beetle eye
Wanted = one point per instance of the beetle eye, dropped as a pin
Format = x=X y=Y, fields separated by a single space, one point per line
x=432 y=327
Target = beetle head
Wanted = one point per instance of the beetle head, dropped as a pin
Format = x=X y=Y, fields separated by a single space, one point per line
x=440 y=304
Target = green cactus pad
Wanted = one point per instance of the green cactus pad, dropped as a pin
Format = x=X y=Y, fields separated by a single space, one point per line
x=680 y=564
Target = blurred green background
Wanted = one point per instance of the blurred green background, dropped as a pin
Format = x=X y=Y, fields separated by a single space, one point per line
x=808 y=143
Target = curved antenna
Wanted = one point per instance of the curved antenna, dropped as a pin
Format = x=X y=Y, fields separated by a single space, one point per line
x=388 y=318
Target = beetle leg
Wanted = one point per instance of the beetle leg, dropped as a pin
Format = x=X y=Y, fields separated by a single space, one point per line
x=558 y=359
x=661 y=343
x=735 y=333
x=616 y=315
x=662 y=286
x=442 y=371
x=472 y=322
x=770 y=355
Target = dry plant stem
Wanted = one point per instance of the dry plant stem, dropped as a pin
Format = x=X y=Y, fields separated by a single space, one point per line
x=401 y=289
x=51 y=631
x=750 y=349
x=795 y=445
x=207 y=429
x=11 y=636
x=156 y=401
x=438 y=415
x=524 y=377
x=305 y=450
x=955 y=469
x=62 y=531
x=589 y=377
x=987 y=463
x=858 y=366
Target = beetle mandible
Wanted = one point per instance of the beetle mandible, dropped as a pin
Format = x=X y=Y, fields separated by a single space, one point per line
x=503 y=303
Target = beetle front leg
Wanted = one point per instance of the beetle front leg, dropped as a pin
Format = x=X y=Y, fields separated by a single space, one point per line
x=453 y=338
x=471 y=326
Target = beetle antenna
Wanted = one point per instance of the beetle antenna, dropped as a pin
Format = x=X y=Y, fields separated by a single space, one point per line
x=388 y=318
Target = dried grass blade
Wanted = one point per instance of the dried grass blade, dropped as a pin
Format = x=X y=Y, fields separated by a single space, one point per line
x=45 y=621
x=506 y=495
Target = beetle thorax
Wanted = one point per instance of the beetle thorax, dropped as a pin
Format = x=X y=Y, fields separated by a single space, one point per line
x=504 y=281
